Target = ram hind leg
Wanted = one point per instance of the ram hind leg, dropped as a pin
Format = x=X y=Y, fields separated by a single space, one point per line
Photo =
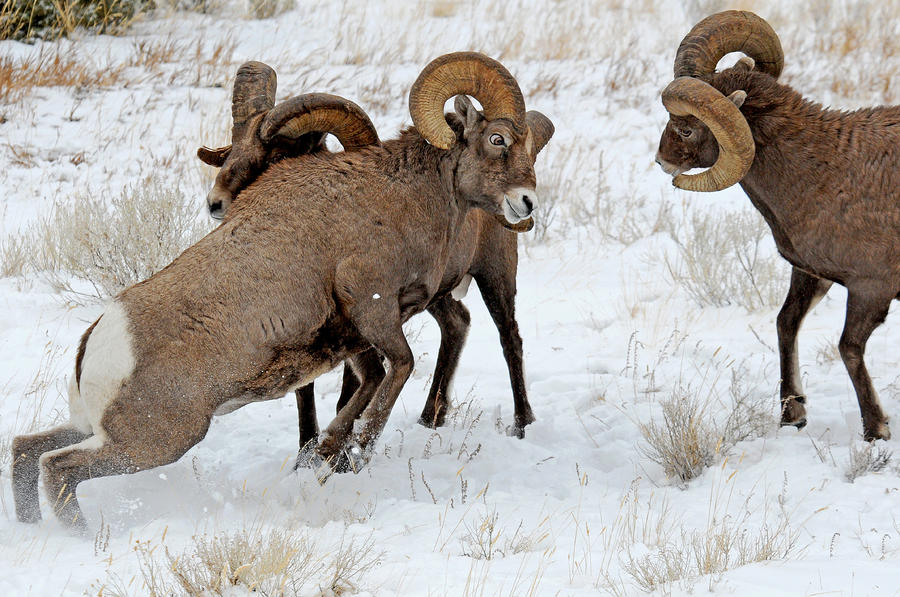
x=66 y=467
x=866 y=310
x=499 y=292
x=129 y=441
x=454 y=320
x=26 y=454
x=804 y=293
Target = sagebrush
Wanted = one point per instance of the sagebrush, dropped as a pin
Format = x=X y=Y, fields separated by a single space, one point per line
x=111 y=243
x=24 y=19
x=722 y=260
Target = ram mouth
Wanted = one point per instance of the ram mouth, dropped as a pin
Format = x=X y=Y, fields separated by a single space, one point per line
x=669 y=168
x=513 y=215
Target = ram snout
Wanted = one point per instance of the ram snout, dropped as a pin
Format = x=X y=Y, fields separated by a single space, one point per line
x=218 y=200
x=668 y=167
x=518 y=203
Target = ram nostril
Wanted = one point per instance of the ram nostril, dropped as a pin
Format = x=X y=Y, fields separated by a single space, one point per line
x=528 y=203
x=216 y=211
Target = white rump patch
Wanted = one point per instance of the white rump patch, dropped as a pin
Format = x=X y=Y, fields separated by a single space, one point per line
x=108 y=361
x=462 y=288
x=77 y=417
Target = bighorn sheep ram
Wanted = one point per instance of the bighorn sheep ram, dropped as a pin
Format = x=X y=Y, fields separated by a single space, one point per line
x=484 y=250
x=317 y=263
x=827 y=183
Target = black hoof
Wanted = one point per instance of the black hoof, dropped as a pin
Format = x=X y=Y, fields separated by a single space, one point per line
x=881 y=431
x=516 y=431
x=798 y=424
x=432 y=421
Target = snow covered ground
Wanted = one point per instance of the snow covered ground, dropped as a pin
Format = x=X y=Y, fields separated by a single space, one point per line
x=576 y=508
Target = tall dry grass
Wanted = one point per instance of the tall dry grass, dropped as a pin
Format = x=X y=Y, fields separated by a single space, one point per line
x=94 y=246
x=52 y=67
x=726 y=259
x=52 y=19
x=256 y=560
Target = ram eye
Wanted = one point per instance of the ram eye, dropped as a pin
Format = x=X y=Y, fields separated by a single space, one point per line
x=497 y=140
x=686 y=133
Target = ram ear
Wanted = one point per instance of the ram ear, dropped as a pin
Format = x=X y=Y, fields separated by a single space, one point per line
x=287 y=147
x=467 y=112
x=541 y=129
x=214 y=157
x=737 y=97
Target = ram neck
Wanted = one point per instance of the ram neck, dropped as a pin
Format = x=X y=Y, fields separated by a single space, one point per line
x=431 y=171
x=784 y=172
x=818 y=172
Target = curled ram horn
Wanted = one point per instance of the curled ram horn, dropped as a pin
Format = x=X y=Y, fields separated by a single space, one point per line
x=320 y=112
x=725 y=32
x=468 y=73
x=254 y=93
x=690 y=96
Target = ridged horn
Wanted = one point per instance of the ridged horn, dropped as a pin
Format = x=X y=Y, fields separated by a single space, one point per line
x=321 y=113
x=214 y=157
x=254 y=92
x=724 y=32
x=468 y=73
x=689 y=96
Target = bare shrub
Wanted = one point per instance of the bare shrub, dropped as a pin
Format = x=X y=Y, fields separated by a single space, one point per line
x=687 y=440
x=721 y=261
x=116 y=243
x=481 y=541
x=488 y=539
x=269 y=562
x=725 y=544
x=867 y=458
x=630 y=216
x=51 y=19
x=692 y=434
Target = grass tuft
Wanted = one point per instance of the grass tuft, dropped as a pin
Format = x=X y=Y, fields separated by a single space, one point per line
x=52 y=19
x=112 y=244
x=721 y=261
x=692 y=435
x=51 y=68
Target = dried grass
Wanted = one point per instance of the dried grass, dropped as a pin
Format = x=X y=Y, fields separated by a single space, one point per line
x=694 y=432
x=266 y=9
x=722 y=260
x=112 y=243
x=13 y=256
x=264 y=561
x=52 y=19
x=51 y=68
x=41 y=404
